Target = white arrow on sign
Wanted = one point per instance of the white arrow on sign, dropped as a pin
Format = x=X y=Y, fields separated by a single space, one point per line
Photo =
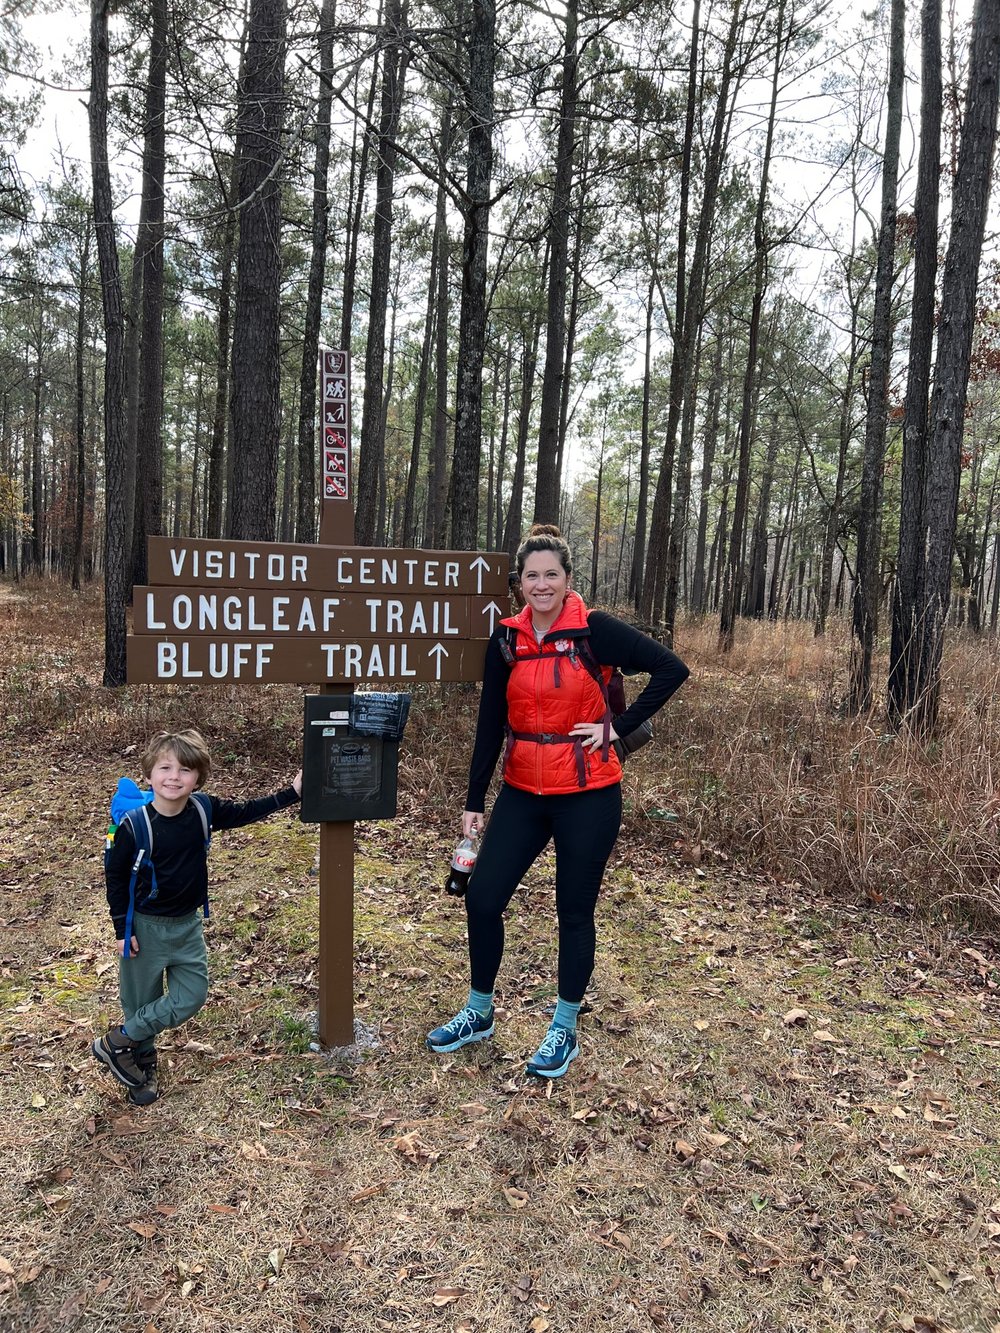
x=492 y=610
x=479 y=564
x=441 y=651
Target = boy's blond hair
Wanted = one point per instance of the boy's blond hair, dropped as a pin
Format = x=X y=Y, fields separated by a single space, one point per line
x=188 y=746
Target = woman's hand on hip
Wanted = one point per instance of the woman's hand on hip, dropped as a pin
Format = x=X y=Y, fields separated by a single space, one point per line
x=592 y=734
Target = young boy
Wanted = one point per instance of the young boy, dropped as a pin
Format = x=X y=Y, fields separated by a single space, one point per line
x=166 y=942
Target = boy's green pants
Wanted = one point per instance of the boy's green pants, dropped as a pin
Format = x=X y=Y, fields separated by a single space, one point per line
x=167 y=981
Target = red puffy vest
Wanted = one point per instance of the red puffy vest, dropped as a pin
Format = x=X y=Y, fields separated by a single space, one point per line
x=548 y=692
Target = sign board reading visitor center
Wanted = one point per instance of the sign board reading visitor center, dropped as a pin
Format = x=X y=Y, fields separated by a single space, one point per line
x=267 y=612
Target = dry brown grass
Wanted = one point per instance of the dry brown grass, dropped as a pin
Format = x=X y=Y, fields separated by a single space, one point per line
x=714 y=1160
x=769 y=771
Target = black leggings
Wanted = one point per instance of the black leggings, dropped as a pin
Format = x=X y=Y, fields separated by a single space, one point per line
x=583 y=826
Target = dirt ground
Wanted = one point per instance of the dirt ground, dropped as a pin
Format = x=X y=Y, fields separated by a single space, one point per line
x=784 y=1116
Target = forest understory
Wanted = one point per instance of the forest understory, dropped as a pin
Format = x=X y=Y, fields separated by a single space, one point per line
x=784 y=1116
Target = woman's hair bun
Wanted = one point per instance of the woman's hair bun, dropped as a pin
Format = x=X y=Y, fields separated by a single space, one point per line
x=544 y=530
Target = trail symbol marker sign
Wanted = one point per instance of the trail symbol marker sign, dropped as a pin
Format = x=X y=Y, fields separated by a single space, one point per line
x=334 y=614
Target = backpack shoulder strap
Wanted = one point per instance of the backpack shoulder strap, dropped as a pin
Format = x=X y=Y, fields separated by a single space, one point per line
x=203 y=804
x=142 y=833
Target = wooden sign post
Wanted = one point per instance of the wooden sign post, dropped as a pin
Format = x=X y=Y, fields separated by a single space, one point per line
x=334 y=614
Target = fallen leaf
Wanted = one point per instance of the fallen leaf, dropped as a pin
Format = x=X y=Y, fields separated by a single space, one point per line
x=368 y=1193
x=276 y=1258
x=37 y=1101
x=795 y=1016
x=539 y=1325
x=823 y=1035
x=447 y=1295
x=515 y=1197
x=145 y=1229
x=6 y=1267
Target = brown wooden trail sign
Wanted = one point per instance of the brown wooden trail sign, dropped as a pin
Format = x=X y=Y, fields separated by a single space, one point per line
x=333 y=614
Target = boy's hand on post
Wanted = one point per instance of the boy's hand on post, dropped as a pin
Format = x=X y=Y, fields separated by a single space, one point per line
x=133 y=951
x=297 y=783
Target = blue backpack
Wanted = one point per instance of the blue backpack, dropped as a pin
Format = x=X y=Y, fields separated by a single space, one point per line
x=128 y=805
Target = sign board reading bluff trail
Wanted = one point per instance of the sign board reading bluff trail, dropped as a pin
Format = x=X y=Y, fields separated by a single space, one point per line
x=261 y=612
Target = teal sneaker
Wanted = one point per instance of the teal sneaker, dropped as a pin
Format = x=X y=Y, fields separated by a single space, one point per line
x=466 y=1027
x=557 y=1052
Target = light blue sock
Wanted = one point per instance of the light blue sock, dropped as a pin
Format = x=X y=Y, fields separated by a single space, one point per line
x=481 y=1001
x=565 y=1014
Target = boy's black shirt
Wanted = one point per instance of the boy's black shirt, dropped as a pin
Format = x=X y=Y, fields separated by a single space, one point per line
x=178 y=855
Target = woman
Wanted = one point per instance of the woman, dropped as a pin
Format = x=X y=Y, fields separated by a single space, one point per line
x=561 y=780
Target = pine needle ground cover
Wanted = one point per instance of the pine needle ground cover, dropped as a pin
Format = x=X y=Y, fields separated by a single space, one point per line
x=784 y=1116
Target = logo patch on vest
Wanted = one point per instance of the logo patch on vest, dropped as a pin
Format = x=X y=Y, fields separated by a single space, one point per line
x=562 y=645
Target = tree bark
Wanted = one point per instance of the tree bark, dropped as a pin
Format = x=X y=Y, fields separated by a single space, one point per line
x=547 y=481
x=867 y=583
x=372 y=448
x=474 y=309
x=902 y=685
x=114 y=357
x=255 y=405
x=956 y=326
x=80 y=417
x=305 y=517
x=148 y=516
x=733 y=583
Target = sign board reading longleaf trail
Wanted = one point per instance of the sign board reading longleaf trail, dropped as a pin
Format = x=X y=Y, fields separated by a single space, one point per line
x=265 y=612
x=332 y=614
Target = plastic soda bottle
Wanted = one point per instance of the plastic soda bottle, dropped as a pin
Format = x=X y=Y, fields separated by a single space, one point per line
x=462 y=865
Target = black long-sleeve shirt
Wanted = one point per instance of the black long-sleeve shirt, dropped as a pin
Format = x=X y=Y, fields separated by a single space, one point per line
x=613 y=643
x=178 y=855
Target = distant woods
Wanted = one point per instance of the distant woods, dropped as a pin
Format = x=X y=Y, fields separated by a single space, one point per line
x=663 y=276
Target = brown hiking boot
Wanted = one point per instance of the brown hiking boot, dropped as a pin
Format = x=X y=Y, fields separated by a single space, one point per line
x=118 y=1052
x=148 y=1093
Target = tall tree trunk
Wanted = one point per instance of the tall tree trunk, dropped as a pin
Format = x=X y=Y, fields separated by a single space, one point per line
x=757 y=580
x=868 y=583
x=474 y=308
x=437 y=472
x=529 y=361
x=37 y=498
x=707 y=464
x=733 y=583
x=373 y=421
x=115 y=588
x=547 y=479
x=305 y=518
x=255 y=407
x=148 y=517
x=216 y=472
x=356 y=197
x=80 y=418
x=573 y=319
x=955 y=331
x=439 y=252
x=637 y=572
x=902 y=685
x=665 y=546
